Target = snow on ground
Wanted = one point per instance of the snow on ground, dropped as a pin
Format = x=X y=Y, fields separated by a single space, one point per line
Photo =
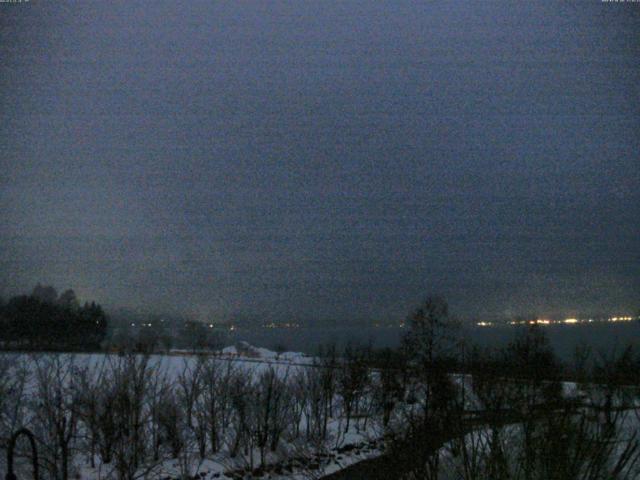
x=342 y=449
x=248 y=352
x=360 y=442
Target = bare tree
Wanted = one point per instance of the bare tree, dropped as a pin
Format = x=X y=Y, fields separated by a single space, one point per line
x=189 y=386
x=90 y=382
x=313 y=401
x=389 y=384
x=214 y=405
x=298 y=400
x=178 y=434
x=432 y=335
x=127 y=418
x=270 y=404
x=328 y=381
x=551 y=436
x=240 y=391
x=159 y=386
x=56 y=412
x=352 y=380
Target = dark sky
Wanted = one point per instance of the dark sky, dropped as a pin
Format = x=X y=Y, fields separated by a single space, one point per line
x=323 y=159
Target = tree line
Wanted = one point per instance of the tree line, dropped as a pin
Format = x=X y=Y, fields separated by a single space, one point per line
x=44 y=320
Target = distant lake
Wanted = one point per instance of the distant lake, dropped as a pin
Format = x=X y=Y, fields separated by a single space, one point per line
x=564 y=338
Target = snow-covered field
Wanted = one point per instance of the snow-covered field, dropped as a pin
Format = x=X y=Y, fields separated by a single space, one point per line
x=243 y=411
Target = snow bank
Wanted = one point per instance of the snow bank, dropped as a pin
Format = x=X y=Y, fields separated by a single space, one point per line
x=244 y=350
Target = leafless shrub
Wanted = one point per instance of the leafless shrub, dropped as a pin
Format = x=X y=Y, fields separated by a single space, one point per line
x=55 y=407
x=125 y=419
x=215 y=405
x=353 y=378
x=240 y=435
x=189 y=390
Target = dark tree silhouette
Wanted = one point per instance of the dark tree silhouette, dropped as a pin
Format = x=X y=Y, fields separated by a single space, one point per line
x=41 y=321
x=432 y=332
